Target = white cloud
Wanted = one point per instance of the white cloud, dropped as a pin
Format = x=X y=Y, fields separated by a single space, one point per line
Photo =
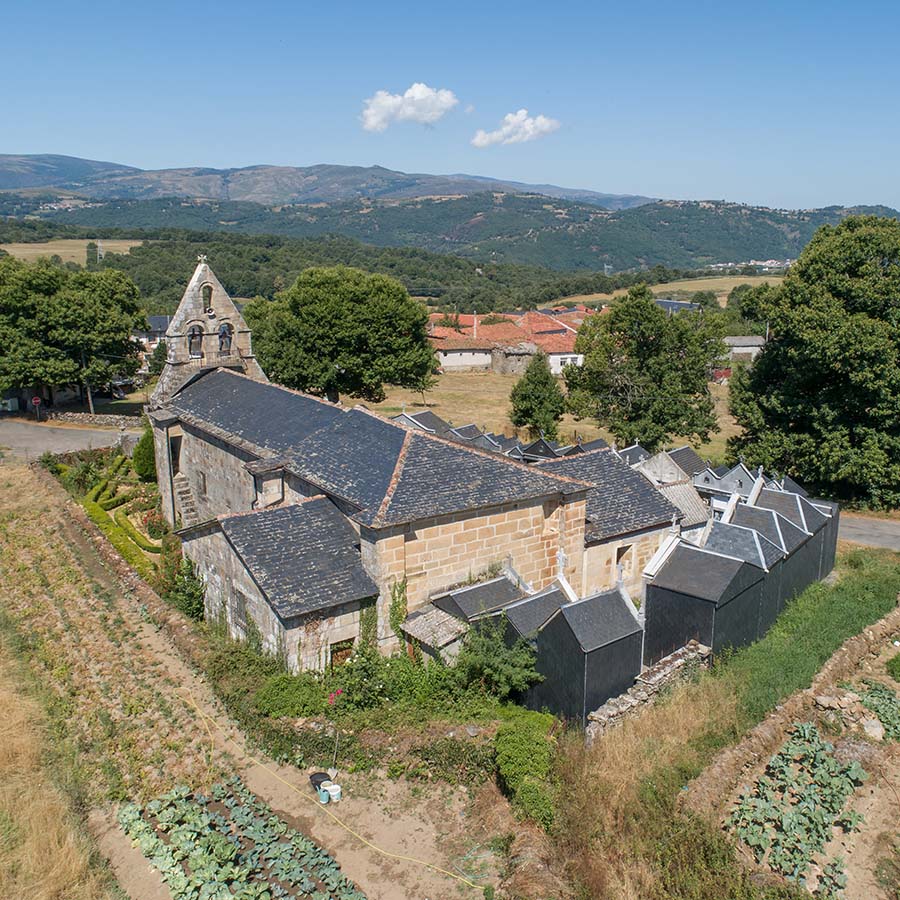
x=420 y=103
x=516 y=128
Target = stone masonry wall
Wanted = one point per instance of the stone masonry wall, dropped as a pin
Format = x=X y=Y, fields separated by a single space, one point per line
x=673 y=668
x=229 y=486
x=99 y=420
x=600 y=561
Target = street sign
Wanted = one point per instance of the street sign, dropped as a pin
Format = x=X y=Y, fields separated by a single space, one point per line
x=35 y=401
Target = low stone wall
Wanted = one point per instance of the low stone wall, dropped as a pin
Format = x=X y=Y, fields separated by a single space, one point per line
x=669 y=670
x=100 y=420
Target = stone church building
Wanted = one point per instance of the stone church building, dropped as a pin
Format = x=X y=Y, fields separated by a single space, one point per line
x=303 y=517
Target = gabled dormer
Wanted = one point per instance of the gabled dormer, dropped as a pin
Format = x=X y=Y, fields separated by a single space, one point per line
x=206 y=332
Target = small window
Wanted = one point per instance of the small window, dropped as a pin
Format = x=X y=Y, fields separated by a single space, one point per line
x=239 y=611
x=624 y=558
x=206 y=295
x=341 y=652
x=195 y=342
x=201 y=487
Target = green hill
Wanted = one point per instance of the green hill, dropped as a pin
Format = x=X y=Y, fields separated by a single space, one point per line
x=517 y=228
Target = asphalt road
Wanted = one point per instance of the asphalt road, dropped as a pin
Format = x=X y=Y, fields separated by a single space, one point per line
x=872 y=532
x=28 y=440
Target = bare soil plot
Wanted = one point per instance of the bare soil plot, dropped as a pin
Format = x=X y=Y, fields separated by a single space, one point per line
x=67 y=249
x=141 y=720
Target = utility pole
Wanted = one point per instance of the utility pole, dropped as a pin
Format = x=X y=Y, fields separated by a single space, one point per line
x=87 y=386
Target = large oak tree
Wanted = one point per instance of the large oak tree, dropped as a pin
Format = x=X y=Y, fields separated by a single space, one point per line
x=822 y=401
x=646 y=373
x=60 y=327
x=342 y=331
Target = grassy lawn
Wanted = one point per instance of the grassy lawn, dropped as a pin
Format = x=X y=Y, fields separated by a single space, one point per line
x=483 y=398
x=69 y=250
x=130 y=405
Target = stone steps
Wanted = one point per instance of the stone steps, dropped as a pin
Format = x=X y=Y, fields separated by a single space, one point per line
x=185 y=498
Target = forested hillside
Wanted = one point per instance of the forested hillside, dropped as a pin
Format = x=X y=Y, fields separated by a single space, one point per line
x=521 y=228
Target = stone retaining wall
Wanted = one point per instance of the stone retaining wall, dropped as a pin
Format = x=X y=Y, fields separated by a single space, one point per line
x=101 y=420
x=669 y=670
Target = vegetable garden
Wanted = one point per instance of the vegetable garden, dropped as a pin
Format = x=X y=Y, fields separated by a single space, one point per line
x=229 y=844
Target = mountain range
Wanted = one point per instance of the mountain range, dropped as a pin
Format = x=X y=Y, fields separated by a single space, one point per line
x=268 y=185
x=485 y=220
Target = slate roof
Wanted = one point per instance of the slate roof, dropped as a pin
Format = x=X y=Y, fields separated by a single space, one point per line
x=466 y=432
x=744 y=543
x=796 y=509
x=266 y=415
x=159 y=323
x=633 y=454
x=772 y=526
x=687 y=459
x=434 y=477
x=698 y=573
x=622 y=500
x=434 y=627
x=304 y=557
x=746 y=340
x=684 y=495
x=476 y=600
x=530 y=614
x=427 y=420
x=600 y=619
x=674 y=306
x=539 y=449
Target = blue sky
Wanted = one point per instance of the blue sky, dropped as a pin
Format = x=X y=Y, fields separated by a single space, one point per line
x=791 y=104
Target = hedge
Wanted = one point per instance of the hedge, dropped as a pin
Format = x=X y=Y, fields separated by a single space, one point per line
x=118 y=499
x=126 y=547
x=524 y=762
x=143 y=542
x=94 y=493
x=117 y=465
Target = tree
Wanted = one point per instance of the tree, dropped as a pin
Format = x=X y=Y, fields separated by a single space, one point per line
x=144 y=457
x=157 y=360
x=822 y=401
x=340 y=330
x=59 y=327
x=537 y=400
x=646 y=374
x=487 y=660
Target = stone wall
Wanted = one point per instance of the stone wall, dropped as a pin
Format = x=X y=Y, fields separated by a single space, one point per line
x=436 y=554
x=305 y=642
x=99 y=420
x=600 y=561
x=668 y=671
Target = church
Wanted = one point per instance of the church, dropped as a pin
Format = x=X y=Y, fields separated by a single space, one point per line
x=312 y=522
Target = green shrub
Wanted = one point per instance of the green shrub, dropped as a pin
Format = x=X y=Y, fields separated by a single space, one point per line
x=120 y=461
x=291 y=696
x=49 y=462
x=143 y=542
x=486 y=660
x=458 y=760
x=893 y=667
x=81 y=476
x=143 y=459
x=524 y=761
x=95 y=492
x=185 y=591
x=125 y=546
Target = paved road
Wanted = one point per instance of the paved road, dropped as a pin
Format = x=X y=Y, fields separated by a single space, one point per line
x=27 y=440
x=873 y=532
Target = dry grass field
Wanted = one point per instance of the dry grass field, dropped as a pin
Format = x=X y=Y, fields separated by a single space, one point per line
x=68 y=250
x=722 y=285
x=482 y=398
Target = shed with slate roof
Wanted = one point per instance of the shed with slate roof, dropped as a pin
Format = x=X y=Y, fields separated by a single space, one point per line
x=587 y=652
x=687 y=459
x=701 y=595
x=295 y=572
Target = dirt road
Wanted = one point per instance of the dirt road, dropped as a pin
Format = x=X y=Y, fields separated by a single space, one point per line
x=142 y=720
x=871 y=532
x=28 y=440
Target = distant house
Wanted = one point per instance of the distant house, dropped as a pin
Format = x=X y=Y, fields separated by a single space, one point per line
x=744 y=348
x=158 y=325
x=675 y=306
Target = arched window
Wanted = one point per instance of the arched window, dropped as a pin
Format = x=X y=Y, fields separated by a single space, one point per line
x=195 y=342
x=226 y=332
x=206 y=295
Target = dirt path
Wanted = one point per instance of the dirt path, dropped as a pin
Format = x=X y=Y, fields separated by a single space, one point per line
x=143 y=718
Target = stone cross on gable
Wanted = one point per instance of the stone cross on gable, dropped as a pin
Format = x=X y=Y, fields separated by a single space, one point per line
x=202 y=258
